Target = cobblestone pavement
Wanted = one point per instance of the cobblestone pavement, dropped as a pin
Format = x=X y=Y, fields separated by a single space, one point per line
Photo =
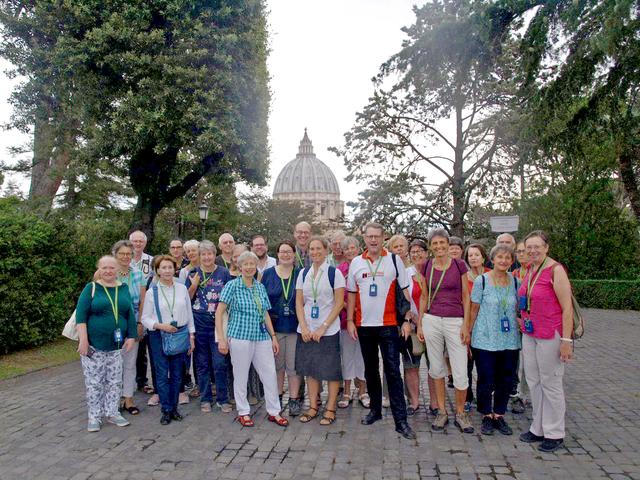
x=43 y=422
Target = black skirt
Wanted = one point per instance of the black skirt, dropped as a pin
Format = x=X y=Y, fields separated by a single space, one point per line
x=320 y=360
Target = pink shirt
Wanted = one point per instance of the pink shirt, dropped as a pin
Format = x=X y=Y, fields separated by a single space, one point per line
x=546 y=312
x=344 y=268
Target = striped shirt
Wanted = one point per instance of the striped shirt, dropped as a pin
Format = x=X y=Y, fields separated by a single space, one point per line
x=247 y=308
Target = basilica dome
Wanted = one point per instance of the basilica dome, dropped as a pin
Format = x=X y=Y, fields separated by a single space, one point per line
x=308 y=180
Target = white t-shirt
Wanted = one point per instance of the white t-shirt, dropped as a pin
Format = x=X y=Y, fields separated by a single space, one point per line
x=378 y=310
x=325 y=299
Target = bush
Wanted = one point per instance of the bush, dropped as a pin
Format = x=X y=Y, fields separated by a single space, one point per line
x=609 y=294
x=43 y=267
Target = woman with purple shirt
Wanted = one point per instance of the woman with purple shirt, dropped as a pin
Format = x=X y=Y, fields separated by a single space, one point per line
x=443 y=320
x=547 y=326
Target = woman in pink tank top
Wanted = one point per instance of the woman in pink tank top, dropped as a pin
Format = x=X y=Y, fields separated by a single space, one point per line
x=547 y=326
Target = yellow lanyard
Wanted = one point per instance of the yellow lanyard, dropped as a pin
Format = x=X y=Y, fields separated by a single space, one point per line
x=374 y=272
x=114 y=306
x=173 y=301
x=285 y=290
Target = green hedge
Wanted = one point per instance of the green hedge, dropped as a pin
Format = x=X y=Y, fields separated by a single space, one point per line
x=609 y=294
x=43 y=266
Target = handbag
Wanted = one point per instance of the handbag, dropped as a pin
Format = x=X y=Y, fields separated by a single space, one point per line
x=70 y=331
x=172 y=343
x=417 y=347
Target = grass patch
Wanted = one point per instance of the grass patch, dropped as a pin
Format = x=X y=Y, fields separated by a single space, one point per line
x=56 y=353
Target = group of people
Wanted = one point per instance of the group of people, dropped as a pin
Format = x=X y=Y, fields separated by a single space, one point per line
x=325 y=314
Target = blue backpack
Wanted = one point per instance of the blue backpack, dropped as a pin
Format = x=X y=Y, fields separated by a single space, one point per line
x=331 y=273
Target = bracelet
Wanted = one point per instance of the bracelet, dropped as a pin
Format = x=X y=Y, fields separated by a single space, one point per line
x=563 y=339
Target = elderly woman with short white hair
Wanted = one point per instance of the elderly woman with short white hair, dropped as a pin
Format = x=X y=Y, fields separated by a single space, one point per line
x=249 y=338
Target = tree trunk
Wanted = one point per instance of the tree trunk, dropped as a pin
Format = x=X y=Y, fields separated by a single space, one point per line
x=51 y=158
x=458 y=181
x=626 y=160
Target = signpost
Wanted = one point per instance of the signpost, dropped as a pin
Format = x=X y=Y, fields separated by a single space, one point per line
x=504 y=224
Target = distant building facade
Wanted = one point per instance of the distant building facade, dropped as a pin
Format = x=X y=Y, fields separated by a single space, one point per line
x=308 y=180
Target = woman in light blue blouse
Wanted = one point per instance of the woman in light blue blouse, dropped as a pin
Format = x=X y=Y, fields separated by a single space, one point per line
x=250 y=338
x=495 y=339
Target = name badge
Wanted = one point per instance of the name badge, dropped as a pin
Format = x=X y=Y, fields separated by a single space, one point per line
x=522 y=302
x=373 y=290
x=286 y=311
x=315 y=311
x=504 y=324
x=528 y=325
x=117 y=336
x=263 y=327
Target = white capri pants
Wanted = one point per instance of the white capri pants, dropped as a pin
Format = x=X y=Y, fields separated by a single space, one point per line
x=544 y=371
x=129 y=370
x=441 y=331
x=351 y=357
x=260 y=354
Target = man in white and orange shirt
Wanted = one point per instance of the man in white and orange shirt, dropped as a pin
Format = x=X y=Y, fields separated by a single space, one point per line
x=372 y=317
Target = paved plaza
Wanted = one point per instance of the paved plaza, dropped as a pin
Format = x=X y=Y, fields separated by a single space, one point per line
x=43 y=432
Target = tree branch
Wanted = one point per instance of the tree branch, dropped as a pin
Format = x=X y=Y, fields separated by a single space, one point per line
x=203 y=168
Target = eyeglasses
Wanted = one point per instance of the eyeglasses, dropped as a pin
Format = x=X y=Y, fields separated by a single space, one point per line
x=124 y=254
x=372 y=237
x=286 y=252
x=520 y=251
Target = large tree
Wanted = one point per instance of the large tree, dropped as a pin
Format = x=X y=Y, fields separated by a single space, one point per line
x=431 y=132
x=169 y=91
x=580 y=78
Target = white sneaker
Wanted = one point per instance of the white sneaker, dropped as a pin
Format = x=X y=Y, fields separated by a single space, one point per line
x=118 y=420
x=93 y=426
x=225 y=407
x=183 y=398
x=385 y=402
x=154 y=400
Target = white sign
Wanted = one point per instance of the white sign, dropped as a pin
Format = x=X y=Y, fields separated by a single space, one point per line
x=504 y=224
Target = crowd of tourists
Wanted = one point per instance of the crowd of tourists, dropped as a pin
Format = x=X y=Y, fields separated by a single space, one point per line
x=230 y=326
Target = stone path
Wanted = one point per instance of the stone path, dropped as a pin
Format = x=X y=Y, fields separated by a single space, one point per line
x=43 y=436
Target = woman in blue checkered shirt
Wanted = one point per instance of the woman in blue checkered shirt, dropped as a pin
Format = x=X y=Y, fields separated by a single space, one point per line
x=249 y=338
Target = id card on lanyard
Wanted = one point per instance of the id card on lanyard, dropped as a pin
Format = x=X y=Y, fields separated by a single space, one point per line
x=286 y=310
x=117 y=333
x=533 y=279
x=315 y=281
x=256 y=300
x=373 y=288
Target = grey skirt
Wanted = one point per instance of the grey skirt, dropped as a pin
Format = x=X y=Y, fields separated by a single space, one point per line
x=320 y=360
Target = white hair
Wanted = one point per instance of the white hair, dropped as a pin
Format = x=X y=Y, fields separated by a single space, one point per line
x=513 y=239
x=190 y=244
x=144 y=235
x=244 y=256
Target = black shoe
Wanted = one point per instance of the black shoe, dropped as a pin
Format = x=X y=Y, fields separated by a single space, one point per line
x=166 y=418
x=450 y=382
x=188 y=385
x=434 y=411
x=412 y=411
x=517 y=405
x=528 y=437
x=405 y=430
x=550 y=445
x=487 y=427
x=175 y=415
x=502 y=426
x=372 y=417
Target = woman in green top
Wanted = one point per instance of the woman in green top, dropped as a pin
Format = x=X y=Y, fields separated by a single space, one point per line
x=106 y=324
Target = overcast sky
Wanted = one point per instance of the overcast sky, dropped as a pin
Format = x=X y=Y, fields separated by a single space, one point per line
x=323 y=55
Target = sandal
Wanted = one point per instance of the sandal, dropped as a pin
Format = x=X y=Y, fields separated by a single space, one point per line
x=306 y=418
x=364 y=400
x=328 y=420
x=133 y=410
x=345 y=401
x=148 y=389
x=279 y=420
x=245 y=421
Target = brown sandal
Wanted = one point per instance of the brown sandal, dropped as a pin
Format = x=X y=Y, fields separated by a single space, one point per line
x=306 y=418
x=328 y=420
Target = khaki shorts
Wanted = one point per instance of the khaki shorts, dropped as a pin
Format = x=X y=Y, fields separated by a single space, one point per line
x=286 y=358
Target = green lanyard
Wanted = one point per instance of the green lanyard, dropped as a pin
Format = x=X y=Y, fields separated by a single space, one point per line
x=435 y=292
x=285 y=290
x=374 y=272
x=531 y=284
x=257 y=301
x=205 y=279
x=300 y=261
x=503 y=298
x=173 y=300
x=114 y=305
x=314 y=286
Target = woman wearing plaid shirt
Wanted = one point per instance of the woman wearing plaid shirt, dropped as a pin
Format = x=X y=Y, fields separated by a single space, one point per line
x=250 y=338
